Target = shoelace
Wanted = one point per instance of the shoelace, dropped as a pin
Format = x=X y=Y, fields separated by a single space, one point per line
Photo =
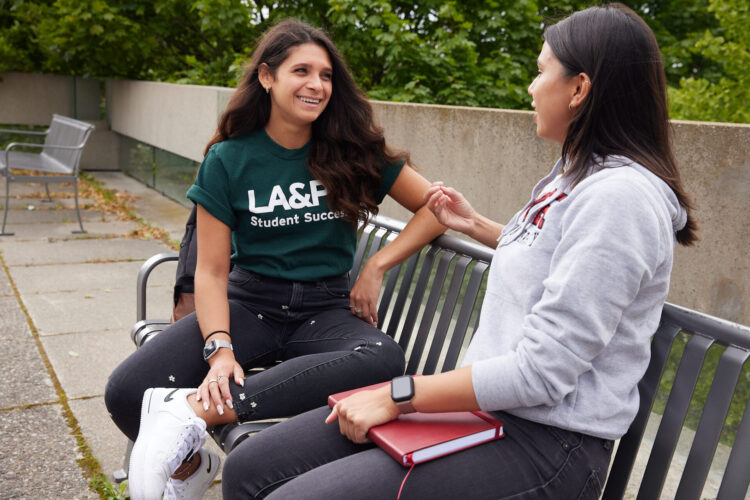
x=175 y=489
x=190 y=439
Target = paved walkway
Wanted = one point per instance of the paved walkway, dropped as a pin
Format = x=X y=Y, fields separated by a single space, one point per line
x=67 y=303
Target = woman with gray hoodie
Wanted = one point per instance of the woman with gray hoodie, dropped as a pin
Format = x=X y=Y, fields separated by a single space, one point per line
x=576 y=287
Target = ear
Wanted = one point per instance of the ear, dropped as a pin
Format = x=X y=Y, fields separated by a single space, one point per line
x=582 y=89
x=265 y=77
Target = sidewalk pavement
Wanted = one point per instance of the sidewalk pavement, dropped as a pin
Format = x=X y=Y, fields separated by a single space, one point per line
x=67 y=303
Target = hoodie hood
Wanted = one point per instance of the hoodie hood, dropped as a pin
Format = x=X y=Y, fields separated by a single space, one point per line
x=677 y=212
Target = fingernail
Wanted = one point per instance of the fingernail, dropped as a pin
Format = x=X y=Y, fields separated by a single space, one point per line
x=220 y=409
x=197 y=396
x=205 y=406
x=229 y=403
x=242 y=382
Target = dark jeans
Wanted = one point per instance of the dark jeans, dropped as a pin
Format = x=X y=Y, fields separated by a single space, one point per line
x=305 y=458
x=323 y=347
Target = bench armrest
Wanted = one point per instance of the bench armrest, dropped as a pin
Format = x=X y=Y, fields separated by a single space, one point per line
x=13 y=145
x=22 y=132
x=142 y=281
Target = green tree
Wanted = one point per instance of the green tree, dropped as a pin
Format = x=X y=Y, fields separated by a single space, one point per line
x=724 y=94
x=171 y=40
x=470 y=52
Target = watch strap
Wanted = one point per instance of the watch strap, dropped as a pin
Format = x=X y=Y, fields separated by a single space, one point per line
x=405 y=407
x=219 y=343
x=213 y=347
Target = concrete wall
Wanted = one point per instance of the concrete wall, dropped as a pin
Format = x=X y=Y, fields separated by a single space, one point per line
x=177 y=118
x=28 y=99
x=494 y=157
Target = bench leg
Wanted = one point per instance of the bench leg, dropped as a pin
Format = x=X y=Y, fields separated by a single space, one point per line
x=121 y=475
x=78 y=211
x=49 y=198
x=6 y=207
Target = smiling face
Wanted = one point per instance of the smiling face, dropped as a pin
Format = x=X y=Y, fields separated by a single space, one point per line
x=552 y=92
x=300 y=89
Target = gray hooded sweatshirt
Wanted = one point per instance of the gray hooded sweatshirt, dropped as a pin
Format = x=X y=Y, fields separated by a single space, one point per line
x=574 y=293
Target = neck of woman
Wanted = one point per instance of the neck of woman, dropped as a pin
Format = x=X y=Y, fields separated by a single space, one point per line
x=289 y=135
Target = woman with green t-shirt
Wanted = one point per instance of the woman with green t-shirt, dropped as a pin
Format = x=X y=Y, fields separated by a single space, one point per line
x=295 y=164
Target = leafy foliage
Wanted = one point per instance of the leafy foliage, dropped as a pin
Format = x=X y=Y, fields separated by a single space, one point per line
x=721 y=95
x=469 y=52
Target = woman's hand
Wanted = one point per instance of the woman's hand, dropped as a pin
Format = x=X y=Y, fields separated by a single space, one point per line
x=450 y=207
x=362 y=411
x=363 y=299
x=215 y=387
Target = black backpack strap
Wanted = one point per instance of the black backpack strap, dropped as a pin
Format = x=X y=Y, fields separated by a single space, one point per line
x=184 y=278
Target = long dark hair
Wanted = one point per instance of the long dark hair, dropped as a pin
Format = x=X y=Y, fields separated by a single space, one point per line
x=625 y=112
x=347 y=151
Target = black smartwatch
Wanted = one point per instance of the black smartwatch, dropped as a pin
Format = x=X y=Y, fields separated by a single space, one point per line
x=402 y=392
x=213 y=347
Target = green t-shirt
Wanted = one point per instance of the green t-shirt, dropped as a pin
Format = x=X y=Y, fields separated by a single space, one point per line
x=281 y=224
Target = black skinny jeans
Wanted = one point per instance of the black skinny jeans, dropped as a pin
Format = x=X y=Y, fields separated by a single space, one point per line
x=323 y=347
x=305 y=458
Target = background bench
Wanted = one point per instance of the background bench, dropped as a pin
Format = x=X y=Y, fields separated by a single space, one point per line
x=430 y=305
x=56 y=161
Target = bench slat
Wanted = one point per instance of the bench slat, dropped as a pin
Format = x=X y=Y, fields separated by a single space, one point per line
x=712 y=421
x=627 y=450
x=416 y=300
x=401 y=298
x=675 y=411
x=446 y=314
x=416 y=355
x=736 y=478
x=461 y=329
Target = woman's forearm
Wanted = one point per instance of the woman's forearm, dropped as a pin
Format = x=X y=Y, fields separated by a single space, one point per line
x=421 y=229
x=485 y=230
x=449 y=391
x=211 y=304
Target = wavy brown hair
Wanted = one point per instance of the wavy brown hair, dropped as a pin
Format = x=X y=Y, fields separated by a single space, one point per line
x=347 y=150
x=625 y=112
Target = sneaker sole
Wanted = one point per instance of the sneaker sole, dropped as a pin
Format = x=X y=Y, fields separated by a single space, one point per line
x=135 y=454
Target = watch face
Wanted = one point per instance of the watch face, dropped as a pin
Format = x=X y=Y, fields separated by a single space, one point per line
x=402 y=388
x=208 y=350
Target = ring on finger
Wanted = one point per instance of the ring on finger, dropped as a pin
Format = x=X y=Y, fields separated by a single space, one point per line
x=358 y=311
x=213 y=380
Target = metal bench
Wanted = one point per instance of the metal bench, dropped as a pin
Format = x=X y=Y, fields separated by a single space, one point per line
x=57 y=161
x=430 y=305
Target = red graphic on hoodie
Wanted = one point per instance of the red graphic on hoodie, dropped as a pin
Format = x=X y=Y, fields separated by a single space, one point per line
x=539 y=217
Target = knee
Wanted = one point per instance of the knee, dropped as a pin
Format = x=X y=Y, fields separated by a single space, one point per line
x=112 y=397
x=389 y=357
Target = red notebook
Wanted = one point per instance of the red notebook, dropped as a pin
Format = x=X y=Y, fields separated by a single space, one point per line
x=418 y=437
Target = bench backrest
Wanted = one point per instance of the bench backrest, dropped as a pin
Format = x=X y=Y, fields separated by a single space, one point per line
x=709 y=350
x=65 y=131
x=430 y=303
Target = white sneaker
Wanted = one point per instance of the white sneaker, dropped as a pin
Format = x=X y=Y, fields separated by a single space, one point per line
x=169 y=432
x=195 y=486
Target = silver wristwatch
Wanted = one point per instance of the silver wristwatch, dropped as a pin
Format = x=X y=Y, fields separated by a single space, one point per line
x=213 y=347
